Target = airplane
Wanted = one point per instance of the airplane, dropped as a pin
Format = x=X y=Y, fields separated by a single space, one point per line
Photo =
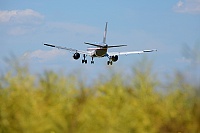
x=99 y=50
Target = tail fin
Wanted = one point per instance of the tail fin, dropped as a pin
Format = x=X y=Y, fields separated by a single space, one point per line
x=105 y=32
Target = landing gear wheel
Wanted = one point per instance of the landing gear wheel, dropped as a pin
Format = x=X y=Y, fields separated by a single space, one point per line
x=84 y=61
x=109 y=63
x=92 y=61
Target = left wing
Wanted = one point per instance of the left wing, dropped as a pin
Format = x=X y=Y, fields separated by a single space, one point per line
x=131 y=52
x=69 y=49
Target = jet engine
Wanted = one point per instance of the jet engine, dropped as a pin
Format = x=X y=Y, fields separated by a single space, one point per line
x=114 y=58
x=76 y=56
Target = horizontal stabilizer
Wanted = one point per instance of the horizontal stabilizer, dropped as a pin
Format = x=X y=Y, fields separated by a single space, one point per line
x=113 y=46
x=93 y=44
x=104 y=46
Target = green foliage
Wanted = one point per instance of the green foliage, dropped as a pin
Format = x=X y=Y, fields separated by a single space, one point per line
x=54 y=103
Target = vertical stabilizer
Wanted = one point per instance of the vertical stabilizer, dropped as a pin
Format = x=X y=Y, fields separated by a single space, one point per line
x=105 y=32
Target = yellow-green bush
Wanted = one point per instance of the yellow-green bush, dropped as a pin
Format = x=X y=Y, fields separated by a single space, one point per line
x=55 y=103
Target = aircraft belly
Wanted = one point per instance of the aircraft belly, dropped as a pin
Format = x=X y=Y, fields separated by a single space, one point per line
x=100 y=52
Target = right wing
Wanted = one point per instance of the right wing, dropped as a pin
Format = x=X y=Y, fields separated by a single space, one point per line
x=69 y=49
x=131 y=52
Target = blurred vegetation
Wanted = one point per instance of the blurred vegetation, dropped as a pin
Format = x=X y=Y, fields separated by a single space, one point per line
x=56 y=103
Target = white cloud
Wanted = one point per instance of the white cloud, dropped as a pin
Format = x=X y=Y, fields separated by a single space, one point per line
x=21 y=16
x=188 y=6
x=179 y=4
x=17 y=31
x=20 y=22
x=43 y=55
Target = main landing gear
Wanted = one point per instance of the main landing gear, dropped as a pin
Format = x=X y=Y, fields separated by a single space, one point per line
x=84 y=60
x=92 y=61
x=110 y=61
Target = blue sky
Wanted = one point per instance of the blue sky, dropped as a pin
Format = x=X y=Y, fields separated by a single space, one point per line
x=166 y=26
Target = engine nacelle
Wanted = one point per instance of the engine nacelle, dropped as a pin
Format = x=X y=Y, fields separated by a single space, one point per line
x=76 y=56
x=114 y=58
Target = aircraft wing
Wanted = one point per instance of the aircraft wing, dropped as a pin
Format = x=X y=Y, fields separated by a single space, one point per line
x=69 y=49
x=131 y=52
